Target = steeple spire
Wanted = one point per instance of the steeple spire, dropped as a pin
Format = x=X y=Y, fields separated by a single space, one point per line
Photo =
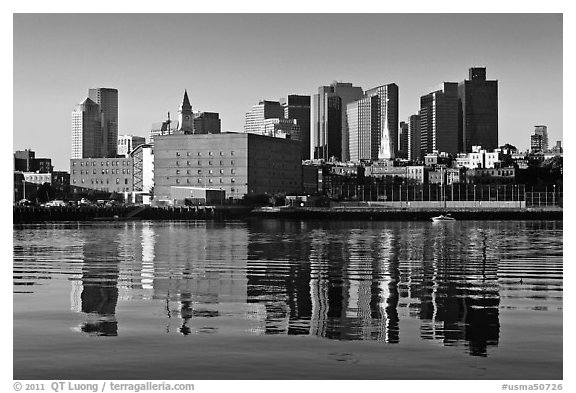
x=185 y=106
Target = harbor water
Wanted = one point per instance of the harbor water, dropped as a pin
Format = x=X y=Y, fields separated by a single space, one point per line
x=288 y=299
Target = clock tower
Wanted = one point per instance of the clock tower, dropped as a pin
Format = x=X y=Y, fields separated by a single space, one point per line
x=185 y=116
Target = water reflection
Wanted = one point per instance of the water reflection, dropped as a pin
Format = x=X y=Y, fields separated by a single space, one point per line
x=343 y=281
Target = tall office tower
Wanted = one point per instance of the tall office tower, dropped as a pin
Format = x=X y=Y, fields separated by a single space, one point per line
x=206 y=123
x=297 y=107
x=107 y=99
x=185 y=117
x=387 y=119
x=542 y=130
x=263 y=110
x=363 y=132
x=373 y=124
x=403 y=140
x=87 y=130
x=478 y=111
x=439 y=120
x=414 y=137
x=329 y=120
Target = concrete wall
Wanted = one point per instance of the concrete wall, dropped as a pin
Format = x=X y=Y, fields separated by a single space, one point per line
x=447 y=204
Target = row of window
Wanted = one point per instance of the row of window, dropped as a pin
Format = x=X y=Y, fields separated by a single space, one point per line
x=232 y=162
x=210 y=171
x=99 y=181
x=199 y=153
x=200 y=181
x=108 y=163
x=104 y=171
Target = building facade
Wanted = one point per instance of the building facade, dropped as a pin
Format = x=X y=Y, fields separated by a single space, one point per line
x=107 y=100
x=127 y=143
x=254 y=123
x=297 y=107
x=478 y=111
x=387 y=119
x=207 y=123
x=543 y=132
x=104 y=174
x=414 y=147
x=363 y=131
x=403 y=140
x=26 y=161
x=439 y=120
x=239 y=163
x=329 y=120
x=282 y=128
x=87 y=137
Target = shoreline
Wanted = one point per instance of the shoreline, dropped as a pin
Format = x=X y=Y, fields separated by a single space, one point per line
x=220 y=213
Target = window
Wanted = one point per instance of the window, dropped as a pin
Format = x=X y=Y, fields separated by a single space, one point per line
x=233 y=180
x=209 y=162
x=73 y=163
x=125 y=181
x=188 y=163
x=221 y=153
x=177 y=171
x=177 y=154
x=232 y=162
x=232 y=153
x=233 y=171
x=117 y=181
x=177 y=181
x=199 y=171
x=210 y=171
x=210 y=153
x=199 y=154
x=221 y=170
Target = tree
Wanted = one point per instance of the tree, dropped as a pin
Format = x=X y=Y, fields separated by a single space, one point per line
x=45 y=193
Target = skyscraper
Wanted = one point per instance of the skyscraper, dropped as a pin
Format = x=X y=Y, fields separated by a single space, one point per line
x=297 y=107
x=107 y=99
x=478 y=111
x=414 y=147
x=439 y=120
x=329 y=120
x=387 y=119
x=87 y=139
x=403 y=140
x=363 y=132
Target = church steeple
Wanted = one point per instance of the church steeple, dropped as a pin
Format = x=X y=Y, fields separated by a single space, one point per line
x=185 y=116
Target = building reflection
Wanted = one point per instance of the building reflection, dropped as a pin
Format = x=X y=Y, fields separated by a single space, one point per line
x=327 y=279
x=199 y=273
x=98 y=283
x=361 y=282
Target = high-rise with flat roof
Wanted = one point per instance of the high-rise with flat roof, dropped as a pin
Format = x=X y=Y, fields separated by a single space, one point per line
x=478 y=111
x=107 y=99
x=329 y=120
x=387 y=119
x=403 y=140
x=363 y=132
x=87 y=139
x=543 y=131
x=414 y=147
x=263 y=110
x=439 y=120
x=297 y=107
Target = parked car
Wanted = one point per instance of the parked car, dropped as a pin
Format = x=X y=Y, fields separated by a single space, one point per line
x=55 y=203
x=23 y=202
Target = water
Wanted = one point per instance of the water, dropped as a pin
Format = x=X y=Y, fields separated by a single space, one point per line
x=288 y=300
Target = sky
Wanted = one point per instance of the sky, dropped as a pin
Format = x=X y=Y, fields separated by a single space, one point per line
x=228 y=62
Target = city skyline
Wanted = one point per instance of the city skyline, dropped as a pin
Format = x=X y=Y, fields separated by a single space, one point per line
x=246 y=58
